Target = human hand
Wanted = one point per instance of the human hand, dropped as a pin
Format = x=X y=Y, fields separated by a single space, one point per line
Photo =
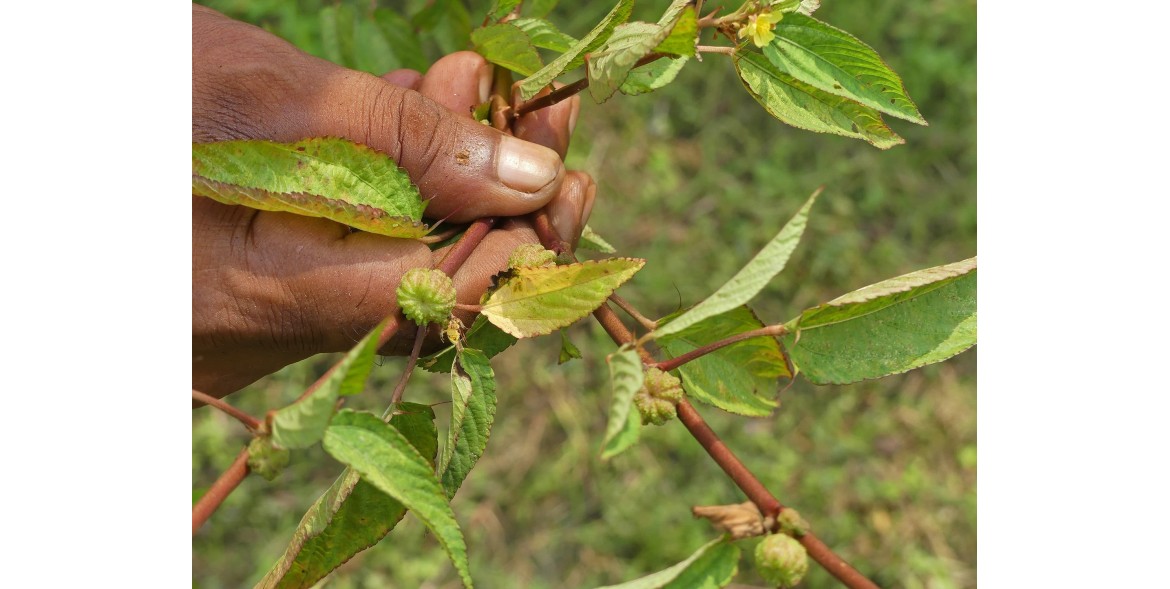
x=273 y=288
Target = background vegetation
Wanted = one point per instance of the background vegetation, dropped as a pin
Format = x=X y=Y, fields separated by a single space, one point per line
x=695 y=178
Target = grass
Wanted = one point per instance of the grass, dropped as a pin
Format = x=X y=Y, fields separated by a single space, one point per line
x=695 y=178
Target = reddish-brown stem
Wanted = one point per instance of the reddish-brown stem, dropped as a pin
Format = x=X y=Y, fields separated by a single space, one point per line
x=471 y=308
x=743 y=478
x=548 y=236
x=820 y=552
x=625 y=305
x=566 y=92
x=249 y=422
x=771 y=330
x=462 y=249
x=400 y=388
x=220 y=489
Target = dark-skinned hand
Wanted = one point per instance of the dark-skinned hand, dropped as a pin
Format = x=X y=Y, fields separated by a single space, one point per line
x=272 y=288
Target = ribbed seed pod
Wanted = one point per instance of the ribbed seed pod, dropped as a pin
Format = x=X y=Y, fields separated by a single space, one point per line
x=426 y=296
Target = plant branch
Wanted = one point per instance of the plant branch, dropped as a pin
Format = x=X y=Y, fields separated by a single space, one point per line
x=771 y=330
x=747 y=482
x=458 y=254
x=220 y=489
x=249 y=422
x=624 y=305
x=756 y=492
x=566 y=92
x=400 y=388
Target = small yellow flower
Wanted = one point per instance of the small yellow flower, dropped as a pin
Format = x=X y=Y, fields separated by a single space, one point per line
x=759 y=28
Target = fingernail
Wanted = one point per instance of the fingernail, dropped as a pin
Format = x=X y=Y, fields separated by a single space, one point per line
x=485 y=82
x=525 y=166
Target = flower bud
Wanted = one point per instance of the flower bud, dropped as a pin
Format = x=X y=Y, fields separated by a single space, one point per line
x=791 y=523
x=426 y=296
x=781 y=560
x=657 y=398
x=663 y=385
x=653 y=410
x=265 y=458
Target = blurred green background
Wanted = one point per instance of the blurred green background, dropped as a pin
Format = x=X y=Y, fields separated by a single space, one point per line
x=695 y=178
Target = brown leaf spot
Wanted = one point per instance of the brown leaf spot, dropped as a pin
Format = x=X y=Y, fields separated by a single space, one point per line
x=463 y=157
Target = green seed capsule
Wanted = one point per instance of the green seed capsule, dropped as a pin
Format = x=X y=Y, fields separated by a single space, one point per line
x=781 y=560
x=426 y=296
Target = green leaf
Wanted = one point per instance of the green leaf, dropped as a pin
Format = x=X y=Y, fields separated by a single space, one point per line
x=387 y=460
x=751 y=279
x=805 y=107
x=373 y=54
x=501 y=8
x=609 y=65
x=832 y=60
x=574 y=56
x=303 y=423
x=537 y=8
x=683 y=37
x=805 y=7
x=590 y=240
x=887 y=328
x=535 y=301
x=712 y=566
x=568 y=350
x=337 y=29
x=400 y=36
x=482 y=336
x=625 y=378
x=648 y=78
x=740 y=378
x=321 y=177
x=350 y=516
x=653 y=76
x=507 y=45
x=544 y=34
x=473 y=409
x=450 y=22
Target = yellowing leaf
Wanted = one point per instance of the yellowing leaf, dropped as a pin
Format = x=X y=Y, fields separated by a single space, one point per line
x=535 y=301
x=321 y=177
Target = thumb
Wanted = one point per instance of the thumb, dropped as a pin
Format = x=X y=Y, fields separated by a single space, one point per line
x=464 y=168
